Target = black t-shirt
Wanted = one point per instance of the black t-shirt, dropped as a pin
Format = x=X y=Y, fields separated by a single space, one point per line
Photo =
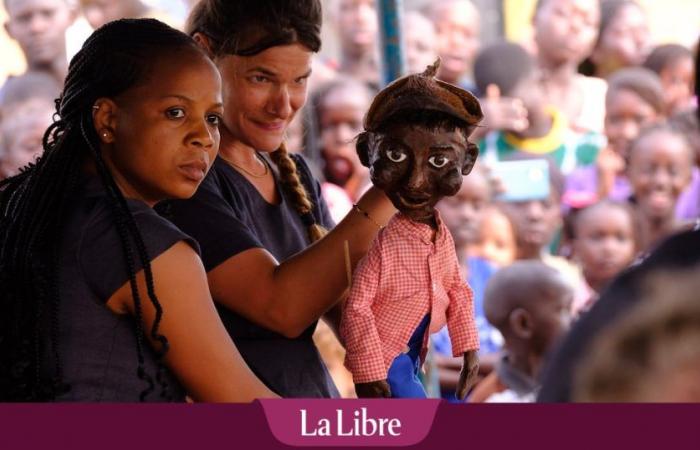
x=228 y=215
x=97 y=348
x=681 y=251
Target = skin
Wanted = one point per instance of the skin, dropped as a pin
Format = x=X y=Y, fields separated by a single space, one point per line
x=677 y=80
x=565 y=34
x=357 y=25
x=659 y=171
x=529 y=91
x=604 y=243
x=416 y=167
x=340 y=115
x=39 y=26
x=496 y=240
x=22 y=133
x=420 y=39
x=457 y=27
x=626 y=114
x=262 y=94
x=535 y=223
x=463 y=212
x=99 y=12
x=158 y=139
x=625 y=42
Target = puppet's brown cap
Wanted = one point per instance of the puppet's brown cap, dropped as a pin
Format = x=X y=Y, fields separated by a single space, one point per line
x=423 y=92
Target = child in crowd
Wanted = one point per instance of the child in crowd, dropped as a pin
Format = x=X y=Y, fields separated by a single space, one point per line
x=548 y=133
x=339 y=107
x=420 y=38
x=565 y=33
x=623 y=38
x=40 y=30
x=530 y=303
x=99 y=12
x=357 y=27
x=495 y=242
x=674 y=65
x=635 y=99
x=605 y=239
x=457 y=23
x=660 y=162
x=21 y=131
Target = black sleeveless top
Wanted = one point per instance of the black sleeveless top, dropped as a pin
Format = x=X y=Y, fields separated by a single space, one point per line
x=96 y=347
x=227 y=216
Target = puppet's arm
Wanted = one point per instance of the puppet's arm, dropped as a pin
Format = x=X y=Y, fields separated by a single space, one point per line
x=461 y=325
x=358 y=330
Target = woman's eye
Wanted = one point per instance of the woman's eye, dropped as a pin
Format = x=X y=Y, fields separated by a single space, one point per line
x=438 y=161
x=175 y=113
x=214 y=119
x=395 y=155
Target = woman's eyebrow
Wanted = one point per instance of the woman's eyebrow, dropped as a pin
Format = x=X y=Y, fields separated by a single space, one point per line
x=263 y=70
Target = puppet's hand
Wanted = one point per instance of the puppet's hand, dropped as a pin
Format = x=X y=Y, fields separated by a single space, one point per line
x=373 y=389
x=467 y=377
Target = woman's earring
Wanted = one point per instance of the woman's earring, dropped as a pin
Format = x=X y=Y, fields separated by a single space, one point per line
x=105 y=134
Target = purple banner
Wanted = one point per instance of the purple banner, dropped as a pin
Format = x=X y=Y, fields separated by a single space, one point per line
x=212 y=427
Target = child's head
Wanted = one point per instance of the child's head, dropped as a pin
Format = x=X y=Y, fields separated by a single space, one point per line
x=635 y=99
x=457 y=23
x=416 y=141
x=100 y=12
x=462 y=213
x=673 y=64
x=340 y=106
x=420 y=38
x=513 y=70
x=530 y=304
x=29 y=86
x=356 y=22
x=536 y=221
x=21 y=131
x=688 y=124
x=623 y=39
x=653 y=353
x=605 y=240
x=39 y=26
x=659 y=170
x=566 y=30
x=496 y=238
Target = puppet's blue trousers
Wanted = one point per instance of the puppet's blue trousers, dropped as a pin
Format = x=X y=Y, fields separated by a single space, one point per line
x=403 y=372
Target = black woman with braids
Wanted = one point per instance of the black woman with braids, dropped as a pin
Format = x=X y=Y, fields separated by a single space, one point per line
x=259 y=208
x=102 y=299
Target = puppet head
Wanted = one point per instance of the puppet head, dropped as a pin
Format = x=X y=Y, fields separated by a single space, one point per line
x=416 y=143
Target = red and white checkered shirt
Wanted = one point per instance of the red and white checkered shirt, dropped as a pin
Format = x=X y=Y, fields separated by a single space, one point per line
x=404 y=277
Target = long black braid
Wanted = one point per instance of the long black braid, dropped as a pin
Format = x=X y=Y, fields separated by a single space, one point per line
x=33 y=205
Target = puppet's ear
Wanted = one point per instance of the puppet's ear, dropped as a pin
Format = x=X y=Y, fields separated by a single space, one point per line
x=470 y=156
x=365 y=142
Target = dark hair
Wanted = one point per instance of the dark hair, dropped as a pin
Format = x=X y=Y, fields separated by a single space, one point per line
x=626 y=207
x=33 y=208
x=643 y=82
x=663 y=127
x=249 y=27
x=504 y=64
x=665 y=55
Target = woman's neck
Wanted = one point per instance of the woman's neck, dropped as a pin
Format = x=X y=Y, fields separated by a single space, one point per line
x=557 y=74
x=658 y=228
x=237 y=152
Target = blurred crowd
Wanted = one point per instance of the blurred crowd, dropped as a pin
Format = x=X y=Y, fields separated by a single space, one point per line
x=610 y=111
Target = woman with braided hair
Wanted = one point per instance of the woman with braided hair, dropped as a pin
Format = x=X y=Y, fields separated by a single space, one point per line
x=259 y=208
x=94 y=306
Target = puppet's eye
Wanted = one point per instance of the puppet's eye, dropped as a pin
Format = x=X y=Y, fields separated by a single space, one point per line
x=395 y=155
x=438 y=161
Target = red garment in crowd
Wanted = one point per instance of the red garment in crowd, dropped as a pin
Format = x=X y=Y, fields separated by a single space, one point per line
x=405 y=276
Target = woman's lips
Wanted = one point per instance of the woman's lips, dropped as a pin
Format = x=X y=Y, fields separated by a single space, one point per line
x=194 y=171
x=269 y=126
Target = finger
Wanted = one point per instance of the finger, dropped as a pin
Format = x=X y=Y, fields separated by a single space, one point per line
x=493 y=92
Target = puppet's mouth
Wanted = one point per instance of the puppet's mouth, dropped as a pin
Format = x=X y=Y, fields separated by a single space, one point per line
x=412 y=202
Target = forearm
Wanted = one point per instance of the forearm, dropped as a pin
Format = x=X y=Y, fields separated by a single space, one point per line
x=313 y=281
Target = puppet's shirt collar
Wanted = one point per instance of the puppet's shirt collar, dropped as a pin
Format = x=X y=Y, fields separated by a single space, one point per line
x=402 y=224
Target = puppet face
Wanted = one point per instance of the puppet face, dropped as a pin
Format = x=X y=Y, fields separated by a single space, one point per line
x=417 y=166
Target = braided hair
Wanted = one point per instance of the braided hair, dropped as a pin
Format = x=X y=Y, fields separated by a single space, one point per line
x=249 y=27
x=33 y=208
